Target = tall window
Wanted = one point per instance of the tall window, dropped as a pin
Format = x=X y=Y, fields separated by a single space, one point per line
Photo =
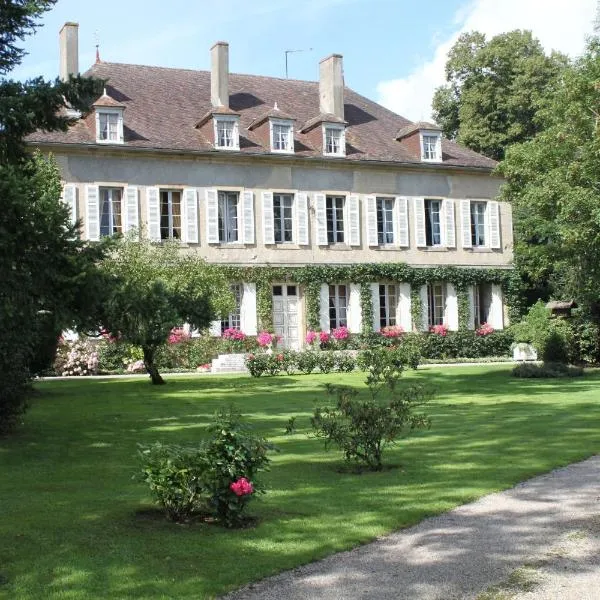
x=228 y=217
x=226 y=133
x=282 y=139
x=478 y=223
x=436 y=300
x=334 y=209
x=282 y=216
x=234 y=319
x=108 y=127
x=433 y=228
x=334 y=141
x=110 y=211
x=170 y=215
x=385 y=220
x=338 y=306
x=430 y=147
x=482 y=298
x=388 y=305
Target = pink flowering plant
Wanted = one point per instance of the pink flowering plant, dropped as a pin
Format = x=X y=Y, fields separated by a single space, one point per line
x=311 y=337
x=484 y=329
x=265 y=339
x=177 y=336
x=241 y=487
x=78 y=358
x=391 y=331
x=439 y=330
x=234 y=339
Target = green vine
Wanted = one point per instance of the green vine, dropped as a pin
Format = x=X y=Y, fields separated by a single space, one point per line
x=464 y=310
x=366 y=305
x=312 y=295
x=416 y=308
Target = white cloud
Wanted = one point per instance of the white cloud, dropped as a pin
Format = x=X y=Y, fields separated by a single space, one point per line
x=559 y=25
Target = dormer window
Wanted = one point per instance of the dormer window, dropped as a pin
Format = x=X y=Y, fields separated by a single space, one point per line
x=109 y=120
x=282 y=136
x=334 y=140
x=431 y=146
x=226 y=133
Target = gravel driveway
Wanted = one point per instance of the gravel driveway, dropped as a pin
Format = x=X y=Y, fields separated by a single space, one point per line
x=538 y=540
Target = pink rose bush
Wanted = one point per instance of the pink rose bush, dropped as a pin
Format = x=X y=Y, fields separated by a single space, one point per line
x=311 y=336
x=234 y=335
x=485 y=329
x=177 y=335
x=264 y=338
x=439 y=330
x=242 y=487
x=323 y=337
x=340 y=333
x=391 y=331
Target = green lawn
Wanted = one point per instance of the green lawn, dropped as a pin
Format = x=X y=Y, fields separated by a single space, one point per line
x=75 y=526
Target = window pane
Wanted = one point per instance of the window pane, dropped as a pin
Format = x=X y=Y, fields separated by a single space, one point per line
x=277 y=290
x=433 y=229
x=234 y=319
x=478 y=223
x=228 y=217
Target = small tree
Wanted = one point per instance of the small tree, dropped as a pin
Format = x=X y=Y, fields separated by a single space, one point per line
x=150 y=288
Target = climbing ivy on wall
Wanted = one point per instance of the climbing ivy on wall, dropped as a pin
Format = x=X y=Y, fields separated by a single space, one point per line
x=312 y=276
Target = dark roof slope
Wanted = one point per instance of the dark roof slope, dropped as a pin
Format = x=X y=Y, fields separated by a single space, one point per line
x=164 y=105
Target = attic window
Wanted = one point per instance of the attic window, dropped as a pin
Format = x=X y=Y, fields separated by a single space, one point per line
x=226 y=133
x=109 y=126
x=431 y=146
x=334 y=140
x=282 y=135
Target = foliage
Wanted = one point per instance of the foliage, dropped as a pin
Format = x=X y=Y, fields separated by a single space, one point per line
x=260 y=363
x=151 y=288
x=307 y=362
x=216 y=476
x=495 y=89
x=76 y=358
x=546 y=370
x=552 y=185
x=584 y=338
x=466 y=344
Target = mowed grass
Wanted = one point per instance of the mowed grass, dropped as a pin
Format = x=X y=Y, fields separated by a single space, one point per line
x=74 y=525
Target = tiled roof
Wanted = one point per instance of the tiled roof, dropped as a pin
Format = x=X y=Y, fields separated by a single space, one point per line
x=418 y=126
x=164 y=105
x=272 y=113
x=106 y=101
x=322 y=118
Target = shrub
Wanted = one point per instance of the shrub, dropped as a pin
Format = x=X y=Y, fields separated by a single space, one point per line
x=307 y=361
x=289 y=362
x=326 y=361
x=546 y=370
x=344 y=363
x=258 y=364
x=116 y=355
x=584 y=338
x=76 y=358
x=218 y=476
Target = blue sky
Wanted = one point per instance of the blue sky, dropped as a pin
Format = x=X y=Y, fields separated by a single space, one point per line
x=394 y=50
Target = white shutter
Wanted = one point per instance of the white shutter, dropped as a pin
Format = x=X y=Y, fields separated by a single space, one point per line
x=324 y=307
x=375 y=302
x=212 y=216
x=371 y=204
x=267 y=211
x=190 y=228
x=404 y=306
x=496 y=316
x=248 y=216
x=465 y=223
x=321 y=216
x=130 y=209
x=449 y=222
x=354 y=221
x=424 y=308
x=301 y=206
x=471 y=295
x=153 y=213
x=92 y=212
x=215 y=329
x=401 y=222
x=248 y=322
x=354 y=309
x=451 y=319
x=69 y=197
x=494 y=220
x=419 y=208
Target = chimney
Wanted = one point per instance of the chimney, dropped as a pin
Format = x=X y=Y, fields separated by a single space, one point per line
x=219 y=75
x=69 y=50
x=331 y=85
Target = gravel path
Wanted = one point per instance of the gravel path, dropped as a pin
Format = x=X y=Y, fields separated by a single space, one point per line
x=537 y=541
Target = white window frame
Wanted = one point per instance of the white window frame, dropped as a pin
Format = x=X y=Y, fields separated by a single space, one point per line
x=433 y=307
x=390 y=301
x=234 y=318
x=475 y=226
x=341 y=129
x=289 y=148
x=441 y=223
x=110 y=191
x=292 y=207
x=170 y=216
x=235 y=131
x=108 y=112
x=437 y=156
x=345 y=220
x=380 y=200
x=227 y=226
x=335 y=304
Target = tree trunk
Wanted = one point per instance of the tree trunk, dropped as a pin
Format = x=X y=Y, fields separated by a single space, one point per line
x=155 y=376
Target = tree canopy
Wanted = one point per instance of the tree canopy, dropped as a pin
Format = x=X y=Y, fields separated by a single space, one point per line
x=495 y=89
x=554 y=188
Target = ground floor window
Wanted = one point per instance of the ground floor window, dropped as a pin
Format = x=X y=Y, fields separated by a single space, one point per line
x=482 y=300
x=388 y=305
x=234 y=319
x=338 y=306
x=436 y=302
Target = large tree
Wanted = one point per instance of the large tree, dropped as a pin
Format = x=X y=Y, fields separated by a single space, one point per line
x=553 y=184
x=494 y=90
x=150 y=288
x=45 y=269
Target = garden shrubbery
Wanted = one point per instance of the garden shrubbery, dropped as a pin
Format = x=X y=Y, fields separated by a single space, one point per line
x=218 y=477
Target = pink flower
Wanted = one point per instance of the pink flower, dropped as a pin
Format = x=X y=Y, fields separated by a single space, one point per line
x=264 y=338
x=241 y=487
x=280 y=357
x=485 y=329
x=439 y=330
x=177 y=335
x=391 y=331
x=323 y=337
x=311 y=336
x=341 y=333
x=233 y=334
